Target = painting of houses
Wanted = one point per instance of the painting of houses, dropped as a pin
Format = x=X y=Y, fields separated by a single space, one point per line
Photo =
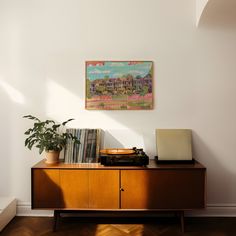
x=119 y=85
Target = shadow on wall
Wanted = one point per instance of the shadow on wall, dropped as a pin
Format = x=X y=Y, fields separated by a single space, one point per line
x=133 y=138
x=219 y=14
x=111 y=141
x=218 y=175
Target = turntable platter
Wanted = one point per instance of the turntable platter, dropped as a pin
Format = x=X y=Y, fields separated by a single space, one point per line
x=116 y=151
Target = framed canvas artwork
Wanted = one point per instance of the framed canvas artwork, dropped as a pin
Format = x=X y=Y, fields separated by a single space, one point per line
x=119 y=85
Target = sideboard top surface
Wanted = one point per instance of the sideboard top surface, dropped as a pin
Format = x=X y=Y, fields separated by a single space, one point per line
x=152 y=165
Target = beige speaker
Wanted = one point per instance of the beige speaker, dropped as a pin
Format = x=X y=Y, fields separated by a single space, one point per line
x=174 y=144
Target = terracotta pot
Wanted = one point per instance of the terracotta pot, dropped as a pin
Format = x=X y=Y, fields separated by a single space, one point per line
x=52 y=157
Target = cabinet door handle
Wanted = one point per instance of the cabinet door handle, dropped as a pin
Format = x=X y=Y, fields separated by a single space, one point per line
x=121 y=189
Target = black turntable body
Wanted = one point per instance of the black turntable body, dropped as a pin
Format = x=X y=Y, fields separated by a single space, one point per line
x=138 y=158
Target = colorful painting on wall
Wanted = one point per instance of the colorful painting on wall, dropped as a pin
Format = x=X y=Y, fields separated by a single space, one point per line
x=119 y=85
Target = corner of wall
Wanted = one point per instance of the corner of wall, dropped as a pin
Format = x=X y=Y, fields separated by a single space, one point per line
x=200 y=6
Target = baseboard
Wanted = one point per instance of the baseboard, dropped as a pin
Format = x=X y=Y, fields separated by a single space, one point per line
x=212 y=210
x=24 y=209
x=215 y=210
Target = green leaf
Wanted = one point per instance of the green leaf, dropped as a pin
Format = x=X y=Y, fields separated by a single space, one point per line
x=49 y=121
x=65 y=122
x=41 y=150
x=46 y=135
x=55 y=126
x=31 y=117
x=28 y=131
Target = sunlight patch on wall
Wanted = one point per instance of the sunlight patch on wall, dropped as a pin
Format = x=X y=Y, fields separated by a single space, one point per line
x=63 y=104
x=13 y=93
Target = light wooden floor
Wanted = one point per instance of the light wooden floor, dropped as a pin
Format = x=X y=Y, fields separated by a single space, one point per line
x=69 y=226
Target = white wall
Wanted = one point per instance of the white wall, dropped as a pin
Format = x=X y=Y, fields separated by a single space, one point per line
x=43 y=48
x=200 y=6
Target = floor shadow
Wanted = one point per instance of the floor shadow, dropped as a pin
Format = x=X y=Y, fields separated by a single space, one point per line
x=117 y=225
x=123 y=226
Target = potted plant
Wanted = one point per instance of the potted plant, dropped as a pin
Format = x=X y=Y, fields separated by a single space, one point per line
x=48 y=136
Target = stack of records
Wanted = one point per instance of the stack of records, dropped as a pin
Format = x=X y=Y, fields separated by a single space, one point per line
x=88 y=149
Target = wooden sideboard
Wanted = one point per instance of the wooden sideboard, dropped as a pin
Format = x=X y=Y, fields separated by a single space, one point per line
x=163 y=187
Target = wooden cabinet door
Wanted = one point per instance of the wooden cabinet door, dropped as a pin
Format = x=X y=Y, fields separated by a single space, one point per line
x=46 y=192
x=162 y=189
x=74 y=187
x=138 y=189
x=104 y=189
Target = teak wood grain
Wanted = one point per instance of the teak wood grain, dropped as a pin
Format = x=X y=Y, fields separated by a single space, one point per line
x=74 y=187
x=104 y=189
x=93 y=186
x=157 y=189
x=46 y=188
x=93 y=166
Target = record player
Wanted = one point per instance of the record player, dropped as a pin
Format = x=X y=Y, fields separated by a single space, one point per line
x=124 y=157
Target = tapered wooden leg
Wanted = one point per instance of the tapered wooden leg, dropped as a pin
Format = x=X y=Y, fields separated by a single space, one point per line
x=182 y=221
x=56 y=220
